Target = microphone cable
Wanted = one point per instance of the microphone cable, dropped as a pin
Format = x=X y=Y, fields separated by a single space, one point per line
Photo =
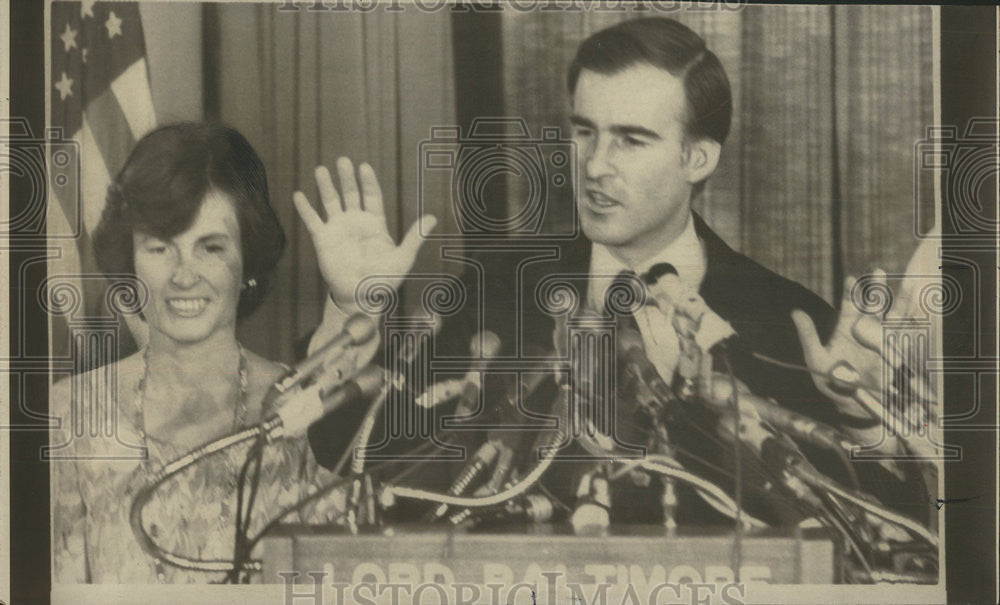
x=732 y=507
x=254 y=459
x=847 y=531
x=260 y=434
x=913 y=527
x=711 y=493
x=830 y=376
x=241 y=554
x=319 y=493
x=547 y=458
x=322 y=491
x=821 y=512
x=737 y=552
x=802 y=368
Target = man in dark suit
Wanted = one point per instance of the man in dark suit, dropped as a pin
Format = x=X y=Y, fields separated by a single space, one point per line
x=651 y=109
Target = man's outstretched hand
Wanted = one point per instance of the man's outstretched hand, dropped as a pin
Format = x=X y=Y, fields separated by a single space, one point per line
x=354 y=242
x=857 y=339
x=852 y=342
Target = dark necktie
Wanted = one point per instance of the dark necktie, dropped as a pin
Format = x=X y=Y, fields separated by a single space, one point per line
x=656 y=272
x=627 y=280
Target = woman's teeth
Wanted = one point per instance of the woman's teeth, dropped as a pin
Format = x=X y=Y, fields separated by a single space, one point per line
x=600 y=200
x=187 y=306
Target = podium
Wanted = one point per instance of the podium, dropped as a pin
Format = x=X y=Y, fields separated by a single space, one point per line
x=637 y=555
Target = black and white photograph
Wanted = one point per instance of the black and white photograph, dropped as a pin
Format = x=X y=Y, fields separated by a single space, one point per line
x=499 y=302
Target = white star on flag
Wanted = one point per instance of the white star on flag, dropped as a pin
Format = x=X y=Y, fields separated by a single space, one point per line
x=69 y=37
x=114 y=25
x=87 y=9
x=64 y=86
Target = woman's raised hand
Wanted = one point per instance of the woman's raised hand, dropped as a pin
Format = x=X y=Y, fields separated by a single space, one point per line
x=354 y=242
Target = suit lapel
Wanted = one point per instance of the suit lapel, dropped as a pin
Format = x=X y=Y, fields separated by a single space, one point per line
x=725 y=270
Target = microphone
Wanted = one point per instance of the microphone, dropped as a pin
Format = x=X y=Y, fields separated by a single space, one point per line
x=770 y=412
x=483 y=458
x=301 y=408
x=507 y=420
x=638 y=365
x=503 y=413
x=699 y=331
x=758 y=416
x=357 y=330
x=777 y=451
x=796 y=424
x=692 y=316
x=533 y=508
x=592 y=513
x=485 y=344
x=505 y=426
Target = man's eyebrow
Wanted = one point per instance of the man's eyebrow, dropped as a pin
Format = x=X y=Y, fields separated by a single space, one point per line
x=630 y=130
x=618 y=129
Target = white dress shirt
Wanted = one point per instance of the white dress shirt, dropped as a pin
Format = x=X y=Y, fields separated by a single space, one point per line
x=687 y=255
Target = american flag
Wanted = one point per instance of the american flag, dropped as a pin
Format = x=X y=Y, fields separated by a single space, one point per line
x=101 y=100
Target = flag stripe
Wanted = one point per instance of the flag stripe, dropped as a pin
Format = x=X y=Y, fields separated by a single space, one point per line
x=110 y=130
x=132 y=92
x=95 y=179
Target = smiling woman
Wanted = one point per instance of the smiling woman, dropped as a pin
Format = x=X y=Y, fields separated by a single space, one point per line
x=189 y=216
x=193 y=278
x=162 y=189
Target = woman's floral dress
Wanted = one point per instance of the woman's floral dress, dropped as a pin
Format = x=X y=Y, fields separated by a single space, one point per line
x=193 y=514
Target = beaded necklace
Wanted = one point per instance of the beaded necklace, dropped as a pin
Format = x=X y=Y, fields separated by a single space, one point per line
x=239 y=420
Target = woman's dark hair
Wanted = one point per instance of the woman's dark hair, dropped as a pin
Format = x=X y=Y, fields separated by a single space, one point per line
x=162 y=185
x=673 y=47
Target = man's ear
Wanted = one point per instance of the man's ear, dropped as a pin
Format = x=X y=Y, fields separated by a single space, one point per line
x=702 y=158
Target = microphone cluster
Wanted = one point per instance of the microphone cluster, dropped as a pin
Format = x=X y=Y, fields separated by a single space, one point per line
x=491 y=488
x=761 y=425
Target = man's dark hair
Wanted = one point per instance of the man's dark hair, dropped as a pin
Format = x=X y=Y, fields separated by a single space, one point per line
x=163 y=184
x=673 y=47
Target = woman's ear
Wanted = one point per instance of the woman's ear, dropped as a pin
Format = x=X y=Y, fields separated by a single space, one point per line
x=702 y=159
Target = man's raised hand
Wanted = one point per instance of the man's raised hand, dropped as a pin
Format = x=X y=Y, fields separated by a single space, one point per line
x=354 y=242
x=855 y=340
x=858 y=338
